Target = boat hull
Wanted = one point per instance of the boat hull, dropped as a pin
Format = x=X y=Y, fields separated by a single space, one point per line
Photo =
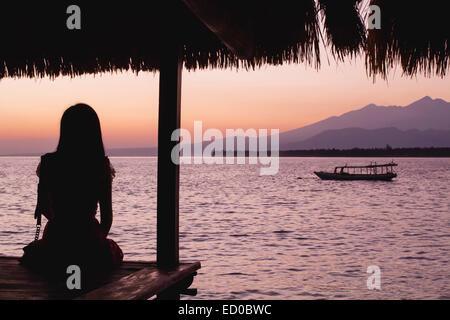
x=337 y=176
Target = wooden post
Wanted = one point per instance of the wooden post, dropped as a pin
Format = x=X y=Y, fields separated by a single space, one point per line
x=168 y=172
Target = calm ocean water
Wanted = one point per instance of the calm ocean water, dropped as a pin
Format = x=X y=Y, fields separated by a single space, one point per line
x=275 y=237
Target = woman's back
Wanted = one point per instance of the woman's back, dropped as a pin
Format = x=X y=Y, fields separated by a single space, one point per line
x=74 y=186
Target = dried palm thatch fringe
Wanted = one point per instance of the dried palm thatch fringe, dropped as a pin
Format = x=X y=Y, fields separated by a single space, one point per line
x=415 y=36
x=345 y=31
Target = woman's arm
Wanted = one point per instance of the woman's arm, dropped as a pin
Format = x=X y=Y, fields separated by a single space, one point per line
x=43 y=205
x=106 y=213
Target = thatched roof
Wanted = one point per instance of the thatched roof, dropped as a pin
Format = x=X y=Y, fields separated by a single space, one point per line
x=115 y=36
x=129 y=35
x=345 y=31
x=414 y=36
x=118 y=36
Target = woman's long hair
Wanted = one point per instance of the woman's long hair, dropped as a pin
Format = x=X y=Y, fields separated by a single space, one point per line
x=81 y=134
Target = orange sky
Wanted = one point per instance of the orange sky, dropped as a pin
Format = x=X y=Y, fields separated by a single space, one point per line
x=282 y=98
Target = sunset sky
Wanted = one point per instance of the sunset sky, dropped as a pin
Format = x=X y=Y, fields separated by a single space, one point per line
x=282 y=98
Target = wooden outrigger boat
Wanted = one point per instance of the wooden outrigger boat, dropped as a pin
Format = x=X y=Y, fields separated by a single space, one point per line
x=384 y=172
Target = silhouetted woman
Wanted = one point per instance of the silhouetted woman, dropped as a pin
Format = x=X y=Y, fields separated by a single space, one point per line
x=72 y=182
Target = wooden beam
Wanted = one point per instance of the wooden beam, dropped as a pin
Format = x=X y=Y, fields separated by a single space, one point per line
x=234 y=30
x=168 y=172
x=143 y=284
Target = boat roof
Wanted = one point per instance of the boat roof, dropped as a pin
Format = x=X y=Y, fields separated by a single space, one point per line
x=392 y=164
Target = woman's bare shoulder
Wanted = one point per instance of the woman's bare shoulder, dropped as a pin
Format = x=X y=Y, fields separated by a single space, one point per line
x=109 y=168
x=45 y=159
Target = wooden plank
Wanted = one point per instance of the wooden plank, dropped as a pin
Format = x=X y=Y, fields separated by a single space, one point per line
x=18 y=283
x=168 y=172
x=143 y=284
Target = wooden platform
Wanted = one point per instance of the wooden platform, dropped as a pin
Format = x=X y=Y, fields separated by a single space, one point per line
x=132 y=281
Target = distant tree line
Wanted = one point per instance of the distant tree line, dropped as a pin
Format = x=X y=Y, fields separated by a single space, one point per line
x=388 y=151
x=375 y=152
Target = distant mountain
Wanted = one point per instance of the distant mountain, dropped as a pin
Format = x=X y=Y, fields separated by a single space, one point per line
x=424 y=123
x=424 y=114
x=374 y=138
